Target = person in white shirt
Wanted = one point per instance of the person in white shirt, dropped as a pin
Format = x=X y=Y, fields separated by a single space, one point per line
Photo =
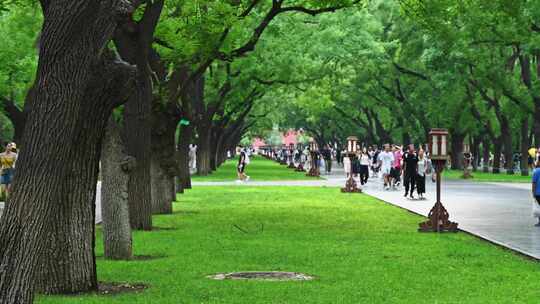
x=386 y=159
x=347 y=164
x=423 y=168
x=364 y=166
x=193 y=156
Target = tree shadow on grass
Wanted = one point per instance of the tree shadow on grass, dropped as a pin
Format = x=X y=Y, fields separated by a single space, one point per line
x=135 y=258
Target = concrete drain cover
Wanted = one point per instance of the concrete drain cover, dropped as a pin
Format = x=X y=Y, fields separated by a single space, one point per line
x=262 y=276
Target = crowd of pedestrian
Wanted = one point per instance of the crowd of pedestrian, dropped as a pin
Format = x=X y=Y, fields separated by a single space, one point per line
x=393 y=165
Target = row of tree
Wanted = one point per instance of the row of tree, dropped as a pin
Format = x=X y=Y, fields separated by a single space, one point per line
x=391 y=72
x=128 y=84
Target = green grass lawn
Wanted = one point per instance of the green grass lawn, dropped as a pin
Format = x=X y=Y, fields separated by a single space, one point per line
x=360 y=250
x=488 y=177
x=259 y=169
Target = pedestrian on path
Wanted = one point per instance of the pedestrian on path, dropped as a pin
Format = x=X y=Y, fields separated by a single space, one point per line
x=243 y=161
x=423 y=169
x=364 y=166
x=339 y=157
x=386 y=160
x=327 y=156
x=396 y=166
x=7 y=162
x=410 y=171
x=355 y=164
x=536 y=192
x=347 y=166
x=193 y=156
x=375 y=161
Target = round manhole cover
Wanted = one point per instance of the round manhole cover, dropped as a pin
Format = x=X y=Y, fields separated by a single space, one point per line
x=262 y=276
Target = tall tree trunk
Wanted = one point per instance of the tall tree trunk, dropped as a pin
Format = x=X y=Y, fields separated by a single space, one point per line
x=457 y=150
x=536 y=121
x=51 y=210
x=137 y=132
x=506 y=137
x=163 y=189
x=69 y=263
x=115 y=167
x=220 y=149
x=213 y=150
x=204 y=150
x=525 y=145
x=475 y=145
x=163 y=163
x=485 y=155
x=497 y=152
x=184 y=139
x=193 y=89
x=134 y=41
x=18 y=116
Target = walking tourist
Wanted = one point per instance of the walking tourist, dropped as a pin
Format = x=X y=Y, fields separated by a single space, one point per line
x=193 y=156
x=396 y=167
x=410 y=170
x=327 y=156
x=423 y=170
x=347 y=165
x=306 y=158
x=355 y=164
x=386 y=159
x=297 y=156
x=7 y=161
x=536 y=192
x=375 y=162
x=364 y=166
x=241 y=168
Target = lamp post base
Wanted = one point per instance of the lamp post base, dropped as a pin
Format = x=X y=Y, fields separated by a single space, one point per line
x=314 y=172
x=467 y=174
x=438 y=221
x=351 y=187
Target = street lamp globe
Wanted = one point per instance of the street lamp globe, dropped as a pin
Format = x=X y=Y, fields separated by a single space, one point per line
x=438 y=139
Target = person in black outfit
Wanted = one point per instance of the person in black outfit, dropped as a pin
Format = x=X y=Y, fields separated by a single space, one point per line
x=364 y=161
x=327 y=156
x=375 y=159
x=241 y=167
x=355 y=165
x=410 y=170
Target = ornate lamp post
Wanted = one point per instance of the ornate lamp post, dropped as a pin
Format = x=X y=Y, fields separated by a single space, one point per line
x=314 y=152
x=352 y=148
x=291 y=156
x=438 y=216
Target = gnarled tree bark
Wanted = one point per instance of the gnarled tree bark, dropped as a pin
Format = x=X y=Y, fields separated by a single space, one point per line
x=51 y=209
x=163 y=162
x=134 y=41
x=115 y=168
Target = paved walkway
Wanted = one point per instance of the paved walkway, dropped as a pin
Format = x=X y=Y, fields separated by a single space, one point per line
x=497 y=212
